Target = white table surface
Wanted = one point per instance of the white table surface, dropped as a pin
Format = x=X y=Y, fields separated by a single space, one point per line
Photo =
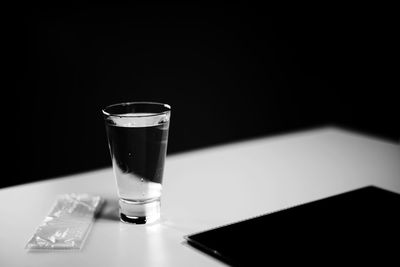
x=202 y=189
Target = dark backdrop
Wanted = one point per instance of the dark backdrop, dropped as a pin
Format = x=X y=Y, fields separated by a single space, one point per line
x=229 y=72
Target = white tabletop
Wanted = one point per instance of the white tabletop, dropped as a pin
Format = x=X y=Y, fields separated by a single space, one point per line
x=202 y=189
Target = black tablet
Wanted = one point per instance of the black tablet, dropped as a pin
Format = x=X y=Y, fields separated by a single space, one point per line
x=357 y=226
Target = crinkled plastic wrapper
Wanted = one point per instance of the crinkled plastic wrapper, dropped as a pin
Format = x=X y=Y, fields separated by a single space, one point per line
x=68 y=223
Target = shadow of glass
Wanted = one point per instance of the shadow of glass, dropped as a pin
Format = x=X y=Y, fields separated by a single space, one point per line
x=110 y=210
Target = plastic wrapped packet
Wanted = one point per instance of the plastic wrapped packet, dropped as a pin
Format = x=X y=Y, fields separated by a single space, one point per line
x=68 y=223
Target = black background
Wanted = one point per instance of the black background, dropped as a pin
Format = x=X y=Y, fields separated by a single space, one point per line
x=229 y=72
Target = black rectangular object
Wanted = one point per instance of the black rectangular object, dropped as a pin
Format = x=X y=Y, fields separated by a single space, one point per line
x=359 y=226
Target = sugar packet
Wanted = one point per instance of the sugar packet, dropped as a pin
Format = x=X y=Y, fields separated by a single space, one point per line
x=68 y=223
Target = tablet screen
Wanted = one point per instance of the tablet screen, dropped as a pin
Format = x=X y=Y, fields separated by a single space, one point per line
x=354 y=226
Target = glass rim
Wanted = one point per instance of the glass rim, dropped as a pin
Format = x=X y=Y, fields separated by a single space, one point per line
x=111 y=114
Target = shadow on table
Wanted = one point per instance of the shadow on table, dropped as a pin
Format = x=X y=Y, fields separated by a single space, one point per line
x=110 y=210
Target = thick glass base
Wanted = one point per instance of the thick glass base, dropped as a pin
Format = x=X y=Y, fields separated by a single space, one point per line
x=139 y=212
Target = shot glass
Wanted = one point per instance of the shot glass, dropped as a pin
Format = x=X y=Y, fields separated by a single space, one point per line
x=137 y=135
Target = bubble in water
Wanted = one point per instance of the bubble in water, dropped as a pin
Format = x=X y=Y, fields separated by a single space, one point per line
x=141 y=179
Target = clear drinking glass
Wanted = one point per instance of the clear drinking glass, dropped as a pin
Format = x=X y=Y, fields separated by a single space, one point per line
x=137 y=135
